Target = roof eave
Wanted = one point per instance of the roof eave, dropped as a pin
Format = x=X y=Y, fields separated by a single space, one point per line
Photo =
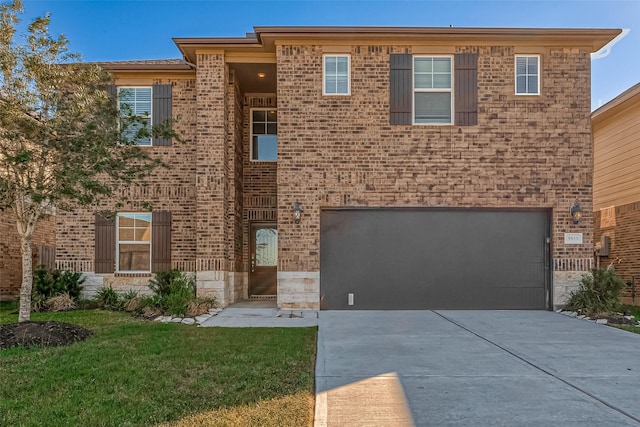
x=627 y=98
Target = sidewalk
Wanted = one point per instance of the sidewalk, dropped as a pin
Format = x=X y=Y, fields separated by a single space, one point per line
x=244 y=315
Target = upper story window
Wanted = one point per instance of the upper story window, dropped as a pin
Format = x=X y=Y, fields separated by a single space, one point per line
x=133 y=242
x=527 y=75
x=336 y=75
x=264 y=134
x=136 y=101
x=432 y=94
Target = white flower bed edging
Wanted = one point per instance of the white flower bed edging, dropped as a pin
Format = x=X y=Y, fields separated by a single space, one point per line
x=189 y=320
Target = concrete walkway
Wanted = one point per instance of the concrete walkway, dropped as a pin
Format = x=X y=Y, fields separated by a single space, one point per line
x=474 y=368
x=260 y=315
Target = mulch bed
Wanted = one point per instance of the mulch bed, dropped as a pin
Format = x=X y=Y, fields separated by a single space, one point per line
x=41 y=334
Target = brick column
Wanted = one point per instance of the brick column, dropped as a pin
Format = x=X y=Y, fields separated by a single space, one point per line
x=212 y=262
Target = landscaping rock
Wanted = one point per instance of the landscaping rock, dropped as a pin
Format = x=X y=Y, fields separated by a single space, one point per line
x=158 y=319
x=165 y=319
x=202 y=318
x=188 y=321
x=602 y=321
x=176 y=320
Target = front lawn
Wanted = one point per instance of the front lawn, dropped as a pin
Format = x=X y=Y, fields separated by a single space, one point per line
x=132 y=372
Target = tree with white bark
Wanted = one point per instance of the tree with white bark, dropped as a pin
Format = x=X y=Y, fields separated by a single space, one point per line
x=63 y=141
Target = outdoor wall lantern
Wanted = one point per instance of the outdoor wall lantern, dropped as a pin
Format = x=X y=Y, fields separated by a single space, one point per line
x=576 y=212
x=297 y=212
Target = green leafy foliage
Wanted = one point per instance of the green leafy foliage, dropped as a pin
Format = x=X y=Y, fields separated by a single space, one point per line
x=173 y=291
x=108 y=298
x=599 y=292
x=63 y=141
x=50 y=283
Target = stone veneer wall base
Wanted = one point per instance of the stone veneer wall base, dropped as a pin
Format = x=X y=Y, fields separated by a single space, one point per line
x=564 y=282
x=215 y=284
x=299 y=290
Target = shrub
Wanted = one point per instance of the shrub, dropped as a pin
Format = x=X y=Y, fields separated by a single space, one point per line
x=49 y=283
x=599 y=292
x=166 y=281
x=173 y=290
x=108 y=298
x=70 y=282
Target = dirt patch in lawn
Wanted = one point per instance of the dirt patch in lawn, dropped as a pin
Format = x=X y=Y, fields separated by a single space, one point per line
x=41 y=334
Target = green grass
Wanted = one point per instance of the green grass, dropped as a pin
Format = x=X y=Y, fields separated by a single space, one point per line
x=634 y=329
x=634 y=309
x=133 y=373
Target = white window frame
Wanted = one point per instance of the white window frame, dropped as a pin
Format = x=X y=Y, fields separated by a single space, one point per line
x=150 y=116
x=415 y=90
x=515 y=74
x=324 y=75
x=251 y=110
x=133 y=242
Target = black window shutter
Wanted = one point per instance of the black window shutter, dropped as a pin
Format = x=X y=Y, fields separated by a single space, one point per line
x=400 y=90
x=466 y=89
x=105 y=245
x=161 y=110
x=161 y=241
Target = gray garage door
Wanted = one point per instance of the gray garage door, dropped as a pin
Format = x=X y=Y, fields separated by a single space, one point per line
x=434 y=259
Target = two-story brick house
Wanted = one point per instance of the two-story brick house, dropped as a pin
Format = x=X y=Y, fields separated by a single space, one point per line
x=361 y=168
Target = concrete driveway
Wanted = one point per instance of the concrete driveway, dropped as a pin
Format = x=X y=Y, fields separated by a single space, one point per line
x=474 y=368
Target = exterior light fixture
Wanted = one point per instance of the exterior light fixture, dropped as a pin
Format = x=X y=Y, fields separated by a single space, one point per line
x=297 y=212
x=576 y=212
x=262 y=75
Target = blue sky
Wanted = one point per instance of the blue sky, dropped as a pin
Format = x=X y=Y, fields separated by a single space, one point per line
x=122 y=30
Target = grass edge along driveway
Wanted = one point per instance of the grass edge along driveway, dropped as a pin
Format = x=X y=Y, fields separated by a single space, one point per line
x=132 y=372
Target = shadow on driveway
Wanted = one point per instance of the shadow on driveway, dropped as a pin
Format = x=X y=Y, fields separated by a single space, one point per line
x=480 y=368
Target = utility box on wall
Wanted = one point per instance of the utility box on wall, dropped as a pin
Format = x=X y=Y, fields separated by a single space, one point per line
x=602 y=247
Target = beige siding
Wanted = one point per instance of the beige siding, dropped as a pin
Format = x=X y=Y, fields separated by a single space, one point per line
x=617 y=156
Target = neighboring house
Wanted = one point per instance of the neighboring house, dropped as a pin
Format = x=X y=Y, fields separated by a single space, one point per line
x=10 y=258
x=358 y=168
x=616 y=186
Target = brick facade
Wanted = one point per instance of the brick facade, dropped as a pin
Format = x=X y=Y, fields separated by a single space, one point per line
x=11 y=260
x=524 y=152
x=621 y=224
x=334 y=151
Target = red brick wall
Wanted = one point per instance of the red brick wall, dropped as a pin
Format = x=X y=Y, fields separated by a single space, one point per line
x=526 y=151
x=172 y=189
x=10 y=258
x=623 y=230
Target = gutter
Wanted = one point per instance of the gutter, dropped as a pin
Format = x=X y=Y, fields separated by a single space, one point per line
x=606 y=49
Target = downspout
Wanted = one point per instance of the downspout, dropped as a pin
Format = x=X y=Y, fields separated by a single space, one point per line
x=190 y=64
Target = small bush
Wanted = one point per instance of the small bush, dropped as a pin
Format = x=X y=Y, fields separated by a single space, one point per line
x=108 y=298
x=166 y=281
x=70 y=282
x=599 y=292
x=173 y=290
x=62 y=302
x=49 y=283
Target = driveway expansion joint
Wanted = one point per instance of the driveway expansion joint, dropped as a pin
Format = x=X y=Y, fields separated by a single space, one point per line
x=541 y=369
